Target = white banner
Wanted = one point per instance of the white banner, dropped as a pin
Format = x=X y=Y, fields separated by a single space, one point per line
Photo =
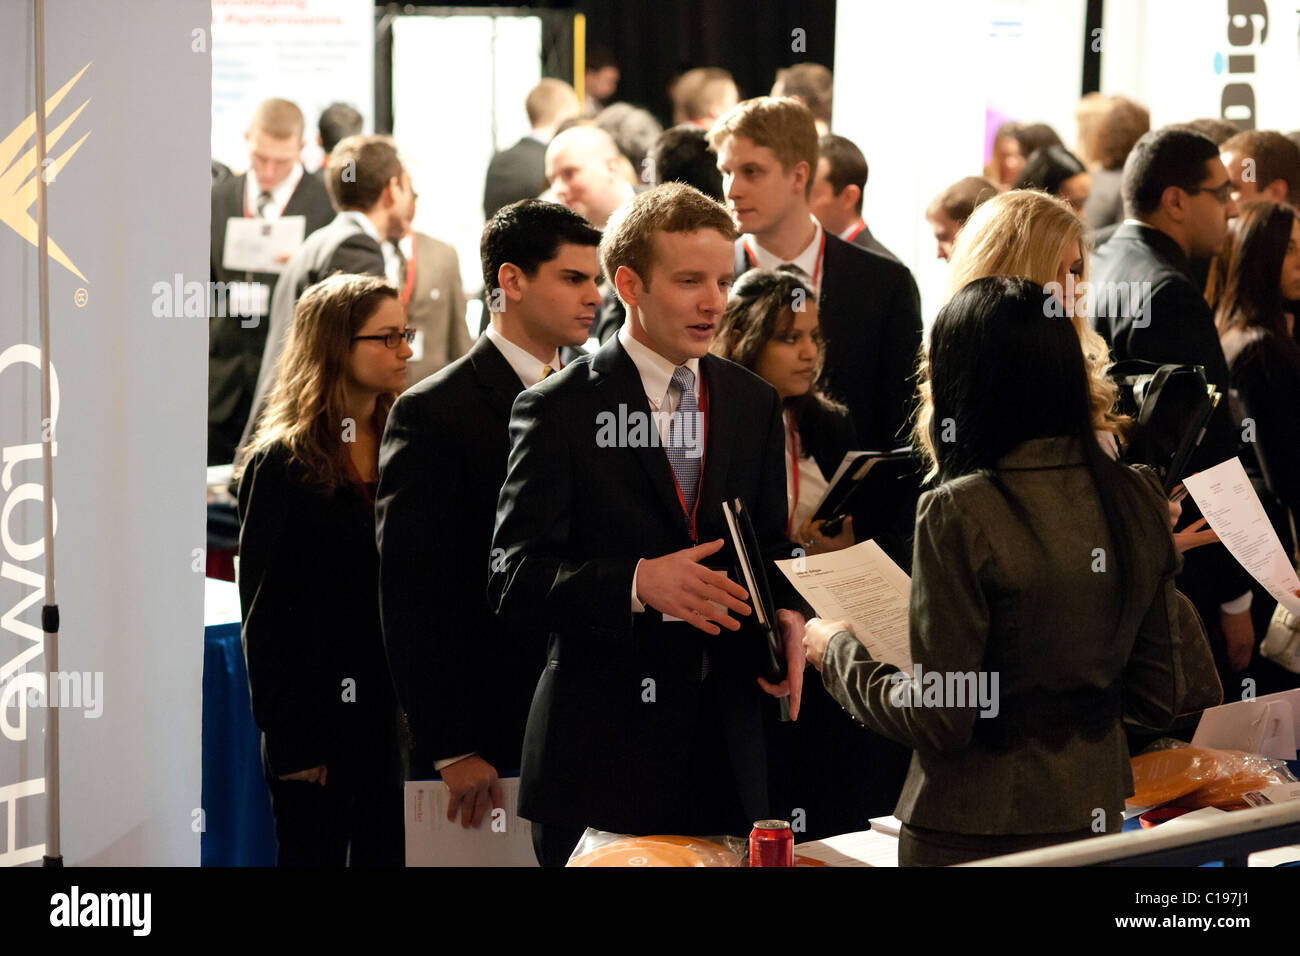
x=310 y=52
x=128 y=209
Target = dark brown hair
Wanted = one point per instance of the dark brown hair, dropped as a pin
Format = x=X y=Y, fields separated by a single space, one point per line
x=359 y=169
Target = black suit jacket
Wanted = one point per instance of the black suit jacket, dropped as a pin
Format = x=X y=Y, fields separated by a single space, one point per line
x=870 y=318
x=573 y=520
x=442 y=464
x=865 y=240
x=514 y=174
x=235 y=351
x=1169 y=321
x=307 y=584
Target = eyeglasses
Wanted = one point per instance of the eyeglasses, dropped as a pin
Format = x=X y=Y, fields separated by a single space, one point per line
x=1221 y=193
x=391 y=340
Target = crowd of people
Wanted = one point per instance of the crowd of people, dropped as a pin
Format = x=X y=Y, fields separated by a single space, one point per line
x=449 y=569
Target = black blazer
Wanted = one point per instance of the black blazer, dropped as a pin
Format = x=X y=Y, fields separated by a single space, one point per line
x=514 y=174
x=572 y=522
x=462 y=681
x=865 y=240
x=1170 y=323
x=1267 y=380
x=870 y=318
x=308 y=577
x=235 y=352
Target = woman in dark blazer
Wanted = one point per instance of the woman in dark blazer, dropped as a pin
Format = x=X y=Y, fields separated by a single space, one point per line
x=309 y=579
x=823 y=777
x=1043 y=580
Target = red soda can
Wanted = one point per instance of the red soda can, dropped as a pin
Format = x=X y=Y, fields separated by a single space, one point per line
x=771 y=843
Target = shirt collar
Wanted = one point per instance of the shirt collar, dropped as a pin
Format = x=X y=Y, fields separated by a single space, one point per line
x=521 y=360
x=656 y=371
x=853 y=230
x=806 y=260
x=279 y=194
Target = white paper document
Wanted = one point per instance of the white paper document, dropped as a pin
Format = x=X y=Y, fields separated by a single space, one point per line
x=1230 y=505
x=502 y=839
x=862 y=585
x=864 y=848
x=1266 y=725
x=261 y=245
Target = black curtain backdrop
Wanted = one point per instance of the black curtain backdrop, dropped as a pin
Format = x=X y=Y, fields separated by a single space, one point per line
x=654 y=40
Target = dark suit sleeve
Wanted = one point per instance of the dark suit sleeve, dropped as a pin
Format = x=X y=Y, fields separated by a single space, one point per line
x=433 y=654
x=277 y=628
x=1267 y=386
x=358 y=254
x=535 y=579
x=900 y=346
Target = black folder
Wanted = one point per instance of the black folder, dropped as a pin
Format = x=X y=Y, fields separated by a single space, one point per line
x=751 y=573
x=866 y=476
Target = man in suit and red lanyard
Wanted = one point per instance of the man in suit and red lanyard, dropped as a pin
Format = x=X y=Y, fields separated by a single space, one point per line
x=648 y=715
x=869 y=309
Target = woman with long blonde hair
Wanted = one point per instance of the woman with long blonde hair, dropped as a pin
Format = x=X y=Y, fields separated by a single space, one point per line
x=309 y=579
x=1033 y=236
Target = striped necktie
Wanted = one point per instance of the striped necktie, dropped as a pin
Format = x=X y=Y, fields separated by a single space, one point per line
x=684 y=435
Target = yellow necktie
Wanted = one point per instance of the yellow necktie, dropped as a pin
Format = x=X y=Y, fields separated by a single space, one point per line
x=547 y=370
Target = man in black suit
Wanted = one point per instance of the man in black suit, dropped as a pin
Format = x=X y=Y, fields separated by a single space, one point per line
x=836 y=198
x=645 y=720
x=376 y=203
x=274 y=186
x=869 y=307
x=337 y=122
x=442 y=464
x=1148 y=305
x=520 y=171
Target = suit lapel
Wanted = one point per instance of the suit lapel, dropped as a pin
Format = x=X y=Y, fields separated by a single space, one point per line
x=717 y=448
x=619 y=385
x=495 y=376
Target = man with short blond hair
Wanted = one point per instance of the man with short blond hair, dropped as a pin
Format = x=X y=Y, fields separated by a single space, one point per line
x=274 y=186
x=869 y=307
x=701 y=95
x=520 y=171
x=608 y=537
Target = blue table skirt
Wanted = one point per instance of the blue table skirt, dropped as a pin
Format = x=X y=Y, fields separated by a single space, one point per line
x=239 y=829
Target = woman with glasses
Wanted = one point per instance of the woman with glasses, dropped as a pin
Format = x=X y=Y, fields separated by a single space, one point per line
x=1042 y=599
x=309 y=579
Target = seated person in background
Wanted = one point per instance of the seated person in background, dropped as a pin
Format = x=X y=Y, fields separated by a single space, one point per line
x=1058 y=172
x=823 y=763
x=309 y=579
x=949 y=210
x=1004 y=596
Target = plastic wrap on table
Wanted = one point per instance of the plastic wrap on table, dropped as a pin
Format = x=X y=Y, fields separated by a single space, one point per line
x=1165 y=774
x=1237 y=774
x=601 y=848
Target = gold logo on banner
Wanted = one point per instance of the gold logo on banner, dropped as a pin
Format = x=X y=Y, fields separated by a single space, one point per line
x=17 y=184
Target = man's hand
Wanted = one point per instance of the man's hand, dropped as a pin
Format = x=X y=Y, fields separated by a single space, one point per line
x=475 y=788
x=677 y=584
x=314 y=775
x=792 y=686
x=1239 y=635
x=817 y=634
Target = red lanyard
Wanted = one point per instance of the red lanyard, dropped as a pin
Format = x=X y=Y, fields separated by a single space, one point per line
x=409 y=287
x=704 y=428
x=862 y=224
x=817 y=269
x=794 y=470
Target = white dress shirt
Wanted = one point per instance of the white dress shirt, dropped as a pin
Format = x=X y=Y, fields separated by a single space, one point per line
x=279 y=194
x=525 y=364
x=812 y=483
x=806 y=260
x=656 y=375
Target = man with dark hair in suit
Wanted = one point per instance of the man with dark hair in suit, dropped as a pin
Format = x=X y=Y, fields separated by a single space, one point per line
x=376 y=202
x=337 y=122
x=1148 y=305
x=274 y=186
x=682 y=155
x=442 y=463
x=836 y=198
x=646 y=719
x=869 y=307
x=520 y=171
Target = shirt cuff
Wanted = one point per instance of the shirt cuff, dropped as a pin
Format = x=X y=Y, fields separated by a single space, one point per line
x=439 y=764
x=637 y=606
x=1240 y=604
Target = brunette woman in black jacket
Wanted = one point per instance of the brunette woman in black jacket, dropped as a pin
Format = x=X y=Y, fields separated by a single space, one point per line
x=309 y=579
